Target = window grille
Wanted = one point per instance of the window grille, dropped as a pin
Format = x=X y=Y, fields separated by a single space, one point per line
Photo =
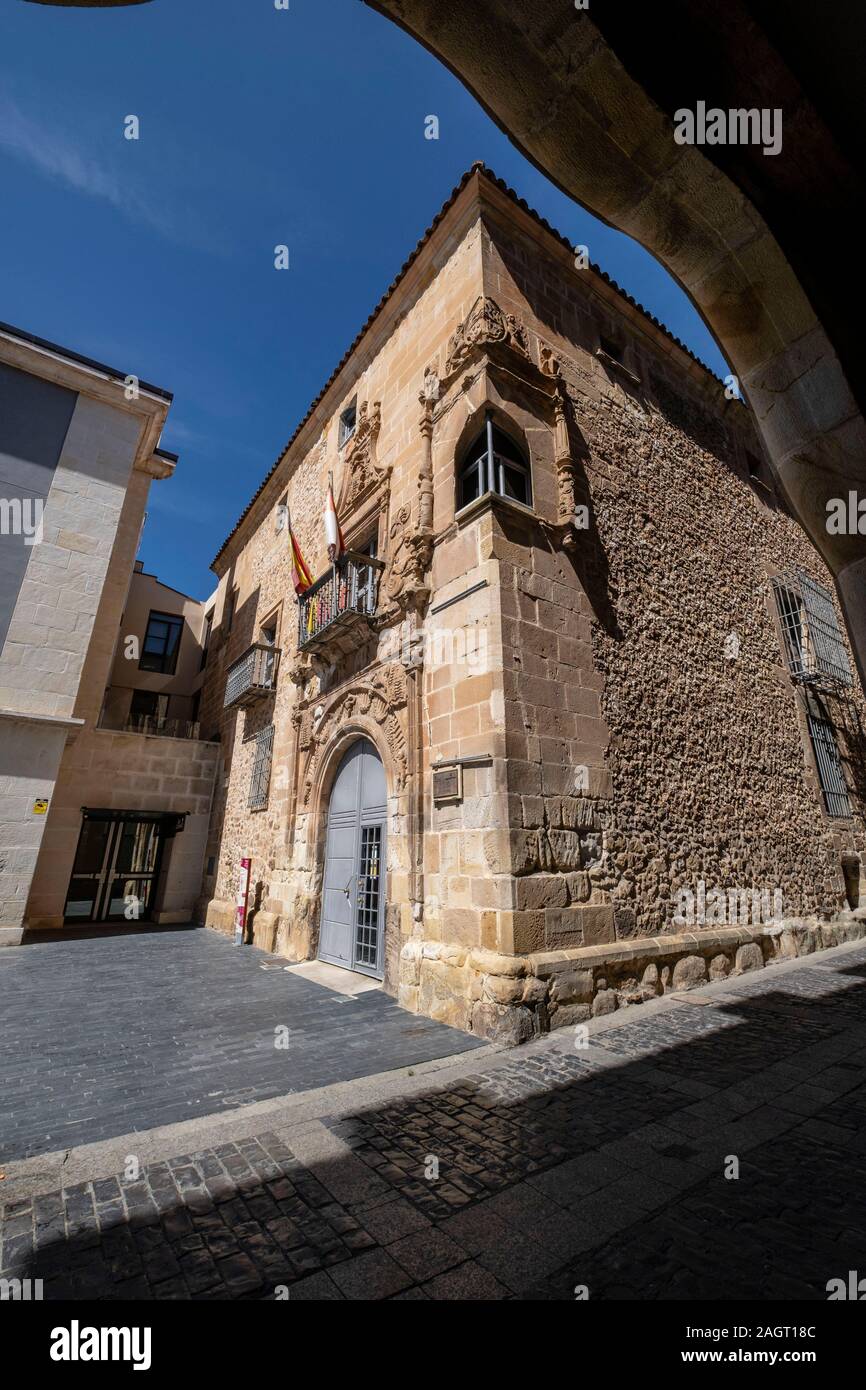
x=830 y=774
x=261 y=774
x=369 y=889
x=814 y=646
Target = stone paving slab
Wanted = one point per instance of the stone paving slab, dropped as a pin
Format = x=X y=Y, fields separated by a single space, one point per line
x=131 y=1031
x=528 y=1176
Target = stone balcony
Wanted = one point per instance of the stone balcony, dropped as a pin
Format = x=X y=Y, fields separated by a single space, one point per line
x=335 y=613
x=252 y=676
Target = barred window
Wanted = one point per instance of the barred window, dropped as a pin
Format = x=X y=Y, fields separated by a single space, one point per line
x=829 y=765
x=261 y=774
x=814 y=646
x=494 y=463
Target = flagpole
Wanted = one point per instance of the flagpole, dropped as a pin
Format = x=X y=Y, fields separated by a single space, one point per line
x=335 y=596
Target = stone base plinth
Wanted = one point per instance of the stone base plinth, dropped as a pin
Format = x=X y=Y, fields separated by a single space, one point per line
x=511 y=998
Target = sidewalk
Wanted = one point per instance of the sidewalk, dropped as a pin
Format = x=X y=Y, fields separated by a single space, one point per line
x=501 y=1174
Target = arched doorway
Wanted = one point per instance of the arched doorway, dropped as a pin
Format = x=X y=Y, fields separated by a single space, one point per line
x=353 y=895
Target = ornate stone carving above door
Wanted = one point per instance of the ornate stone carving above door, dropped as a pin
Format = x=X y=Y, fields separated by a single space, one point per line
x=379 y=700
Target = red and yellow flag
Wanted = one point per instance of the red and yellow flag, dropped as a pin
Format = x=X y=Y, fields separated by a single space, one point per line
x=301 y=576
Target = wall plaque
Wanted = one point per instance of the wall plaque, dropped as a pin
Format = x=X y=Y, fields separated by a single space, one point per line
x=448 y=783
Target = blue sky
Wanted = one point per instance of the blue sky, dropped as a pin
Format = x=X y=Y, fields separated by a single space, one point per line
x=258 y=127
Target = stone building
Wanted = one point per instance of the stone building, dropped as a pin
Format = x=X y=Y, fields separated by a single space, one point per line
x=105 y=786
x=575 y=719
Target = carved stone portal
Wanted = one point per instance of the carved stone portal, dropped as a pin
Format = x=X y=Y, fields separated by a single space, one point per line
x=380 y=699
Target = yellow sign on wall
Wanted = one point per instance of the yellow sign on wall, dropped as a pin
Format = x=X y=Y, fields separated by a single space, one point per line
x=40 y=806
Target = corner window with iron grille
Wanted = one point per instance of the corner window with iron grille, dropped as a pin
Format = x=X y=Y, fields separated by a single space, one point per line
x=261 y=775
x=830 y=772
x=814 y=646
x=494 y=463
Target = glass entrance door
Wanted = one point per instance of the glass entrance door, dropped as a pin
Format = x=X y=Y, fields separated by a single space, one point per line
x=115 y=872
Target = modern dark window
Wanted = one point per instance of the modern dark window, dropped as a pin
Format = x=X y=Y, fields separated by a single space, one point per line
x=348 y=420
x=161 y=643
x=494 y=463
x=829 y=765
x=148 y=704
x=753 y=463
x=611 y=348
x=261 y=773
x=205 y=641
x=229 y=615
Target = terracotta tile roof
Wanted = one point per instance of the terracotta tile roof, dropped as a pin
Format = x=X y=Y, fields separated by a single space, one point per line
x=477 y=168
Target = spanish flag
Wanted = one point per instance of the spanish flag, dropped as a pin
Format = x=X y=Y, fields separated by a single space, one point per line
x=301 y=576
x=333 y=533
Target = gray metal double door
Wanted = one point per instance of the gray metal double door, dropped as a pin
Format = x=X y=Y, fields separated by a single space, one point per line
x=353 y=899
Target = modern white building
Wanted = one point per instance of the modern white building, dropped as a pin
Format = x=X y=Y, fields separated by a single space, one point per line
x=79 y=449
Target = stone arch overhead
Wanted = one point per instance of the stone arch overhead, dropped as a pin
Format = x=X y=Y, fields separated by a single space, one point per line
x=593 y=109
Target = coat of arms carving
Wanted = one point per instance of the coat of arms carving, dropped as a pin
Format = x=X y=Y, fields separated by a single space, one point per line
x=362 y=473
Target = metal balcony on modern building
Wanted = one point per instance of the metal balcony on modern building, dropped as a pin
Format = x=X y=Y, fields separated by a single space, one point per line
x=253 y=675
x=152 y=725
x=335 y=612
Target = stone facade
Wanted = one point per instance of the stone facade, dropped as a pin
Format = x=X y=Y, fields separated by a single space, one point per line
x=600 y=673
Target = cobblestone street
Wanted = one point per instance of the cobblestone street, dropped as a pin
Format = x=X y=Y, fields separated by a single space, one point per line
x=557 y=1168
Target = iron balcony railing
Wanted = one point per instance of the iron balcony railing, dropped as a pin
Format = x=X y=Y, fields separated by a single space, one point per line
x=166 y=728
x=252 y=675
x=341 y=599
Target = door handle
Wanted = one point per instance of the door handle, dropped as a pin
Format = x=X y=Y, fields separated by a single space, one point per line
x=347 y=887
